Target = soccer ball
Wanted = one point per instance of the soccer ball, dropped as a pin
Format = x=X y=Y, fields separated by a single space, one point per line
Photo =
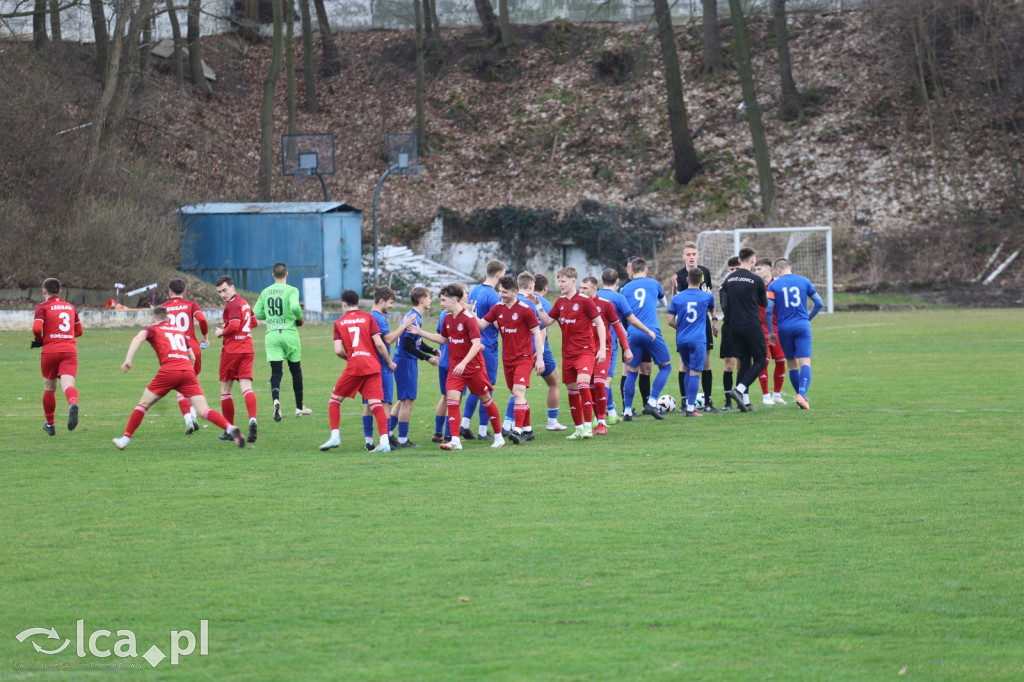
x=666 y=403
x=700 y=401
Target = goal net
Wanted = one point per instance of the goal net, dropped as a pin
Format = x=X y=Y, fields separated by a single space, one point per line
x=808 y=249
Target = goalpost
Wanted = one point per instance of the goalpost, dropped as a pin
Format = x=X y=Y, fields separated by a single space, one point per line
x=808 y=249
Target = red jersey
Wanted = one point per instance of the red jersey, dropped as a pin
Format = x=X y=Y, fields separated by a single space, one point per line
x=185 y=314
x=514 y=325
x=356 y=329
x=576 y=317
x=610 y=317
x=171 y=346
x=238 y=325
x=57 y=324
x=460 y=330
x=764 y=321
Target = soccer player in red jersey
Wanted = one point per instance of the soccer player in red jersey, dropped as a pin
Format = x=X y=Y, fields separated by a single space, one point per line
x=461 y=332
x=763 y=269
x=522 y=350
x=583 y=347
x=186 y=315
x=357 y=341
x=55 y=328
x=177 y=373
x=589 y=287
x=236 y=358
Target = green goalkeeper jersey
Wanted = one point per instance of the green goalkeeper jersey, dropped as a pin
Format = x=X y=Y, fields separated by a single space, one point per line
x=278 y=304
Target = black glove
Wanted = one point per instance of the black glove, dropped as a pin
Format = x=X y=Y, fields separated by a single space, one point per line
x=298 y=323
x=36 y=343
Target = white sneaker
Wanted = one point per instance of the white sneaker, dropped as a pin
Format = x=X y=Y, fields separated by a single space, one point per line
x=555 y=426
x=384 y=446
x=767 y=399
x=304 y=412
x=499 y=441
x=332 y=442
x=777 y=399
x=122 y=442
x=190 y=425
x=277 y=410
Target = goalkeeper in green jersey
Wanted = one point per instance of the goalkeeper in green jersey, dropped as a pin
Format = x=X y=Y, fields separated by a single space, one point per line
x=279 y=306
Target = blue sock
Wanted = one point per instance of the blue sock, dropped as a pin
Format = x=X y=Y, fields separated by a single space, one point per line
x=660 y=380
x=470 y=407
x=608 y=392
x=805 y=380
x=368 y=426
x=439 y=423
x=692 y=385
x=392 y=420
x=630 y=390
x=403 y=430
x=553 y=413
x=510 y=411
x=447 y=428
x=794 y=378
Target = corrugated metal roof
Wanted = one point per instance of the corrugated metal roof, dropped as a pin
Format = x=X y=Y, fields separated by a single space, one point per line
x=274 y=207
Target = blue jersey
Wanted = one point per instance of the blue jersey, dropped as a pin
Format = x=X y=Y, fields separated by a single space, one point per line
x=619 y=302
x=400 y=351
x=691 y=306
x=483 y=298
x=790 y=294
x=443 y=360
x=382 y=322
x=546 y=307
x=643 y=294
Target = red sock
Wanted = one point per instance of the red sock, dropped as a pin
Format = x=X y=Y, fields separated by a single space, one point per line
x=600 y=400
x=575 y=407
x=763 y=379
x=588 y=403
x=216 y=418
x=526 y=418
x=184 y=405
x=454 y=417
x=72 y=395
x=227 y=407
x=519 y=411
x=381 y=417
x=492 y=415
x=780 y=375
x=334 y=413
x=137 y=415
x=250 y=403
x=49 y=405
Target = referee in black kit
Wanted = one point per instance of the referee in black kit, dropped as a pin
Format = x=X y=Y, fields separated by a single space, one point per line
x=740 y=296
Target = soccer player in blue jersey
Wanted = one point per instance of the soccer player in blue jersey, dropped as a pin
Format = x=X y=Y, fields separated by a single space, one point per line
x=787 y=300
x=643 y=294
x=610 y=279
x=408 y=352
x=689 y=310
x=383 y=300
x=482 y=298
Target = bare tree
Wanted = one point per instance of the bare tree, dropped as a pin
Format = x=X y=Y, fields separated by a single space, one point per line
x=330 y=65
x=421 y=117
x=289 y=67
x=430 y=20
x=504 y=25
x=55 y=21
x=99 y=32
x=684 y=160
x=101 y=113
x=757 y=134
x=308 y=78
x=39 y=37
x=267 y=110
x=178 y=56
x=195 y=52
x=792 y=108
x=485 y=10
x=712 y=61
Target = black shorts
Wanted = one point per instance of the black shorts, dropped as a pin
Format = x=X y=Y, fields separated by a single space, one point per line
x=710 y=336
x=726 y=348
x=748 y=342
x=646 y=357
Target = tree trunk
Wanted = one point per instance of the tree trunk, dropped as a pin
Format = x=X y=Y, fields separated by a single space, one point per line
x=289 y=68
x=99 y=31
x=421 y=117
x=39 y=37
x=757 y=134
x=330 y=65
x=146 y=54
x=101 y=113
x=267 y=110
x=685 y=162
x=308 y=78
x=488 y=21
x=430 y=20
x=128 y=77
x=249 y=25
x=792 y=108
x=712 y=62
x=55 y=20
x=178 y=57
x=504 y=25
x=195 y=52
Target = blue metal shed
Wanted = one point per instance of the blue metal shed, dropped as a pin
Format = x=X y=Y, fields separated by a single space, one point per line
x=315 y=239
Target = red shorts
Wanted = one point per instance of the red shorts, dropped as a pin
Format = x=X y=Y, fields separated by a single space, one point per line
x=573 y=367
x=59 y=364
x=235 y=366
x=194 y=345
x=181 y=380
x=775 y=352
x=476 y=382
x=518 y=372
x=601 y=372
x=367 y=385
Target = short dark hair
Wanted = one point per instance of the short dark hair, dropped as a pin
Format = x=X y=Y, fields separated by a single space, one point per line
x=383 y=293
x=495 y=266
x=764 y=260
x=509 y=283
x=540 y=281
x=695 y=276
x=418 y=294
x=746 y=253
x=51 y=285
x=159 y=311
x=350 y=298
x=453 y=290
x=781 y=263
x=591 y=279
x=733 y=262
x=609 y=276
x=280 y=269
x=224 y=279
x=176 y=285
x=638 y=264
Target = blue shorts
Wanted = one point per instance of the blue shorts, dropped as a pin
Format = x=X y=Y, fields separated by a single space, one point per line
x=442 y=375
x=406 y=377
x=693 y=354
x=491 y=362
x=549 y=361
x=641 y=343
x=387 y=381
x=795 y=341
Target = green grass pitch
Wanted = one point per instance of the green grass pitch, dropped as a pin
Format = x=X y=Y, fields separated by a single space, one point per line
x=879 y=535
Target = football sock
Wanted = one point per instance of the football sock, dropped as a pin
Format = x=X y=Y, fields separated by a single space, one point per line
x=184 y=405
x=693 y=383
x=216 y=418
x=392 y=422
x=660 y=381
x=610 y=397
x=491 y=410
x=794 y=378
x=622 y=389
x=333 y=414
x=645 y=387
x=485 y=417
x=630 y=390
x=250 y=403
x=727 y=386
x=684 y=381
x=510 y=409
x=439 y=421
x=553 y=414
x=49 y=405
x=227 y=407
x=454 y=419
x=600 y=395
x=586 y=402
x=706 y=380
x=575 y=407
x=368 y=427
x=380 y=415
x=71 y=394
x=135 y=420
x=779 y=376
x=762 y=379
x=805 y=379
x=527 y=423
x=403 y=431
x=521 y=411
x=296 y=369
x=276 y=372
x=472 y=402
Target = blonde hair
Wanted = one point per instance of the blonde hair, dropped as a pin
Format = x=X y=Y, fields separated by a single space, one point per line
x=569 y=272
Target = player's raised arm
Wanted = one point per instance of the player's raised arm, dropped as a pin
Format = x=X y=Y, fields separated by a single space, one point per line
x=436 y=338
x=133 y=347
